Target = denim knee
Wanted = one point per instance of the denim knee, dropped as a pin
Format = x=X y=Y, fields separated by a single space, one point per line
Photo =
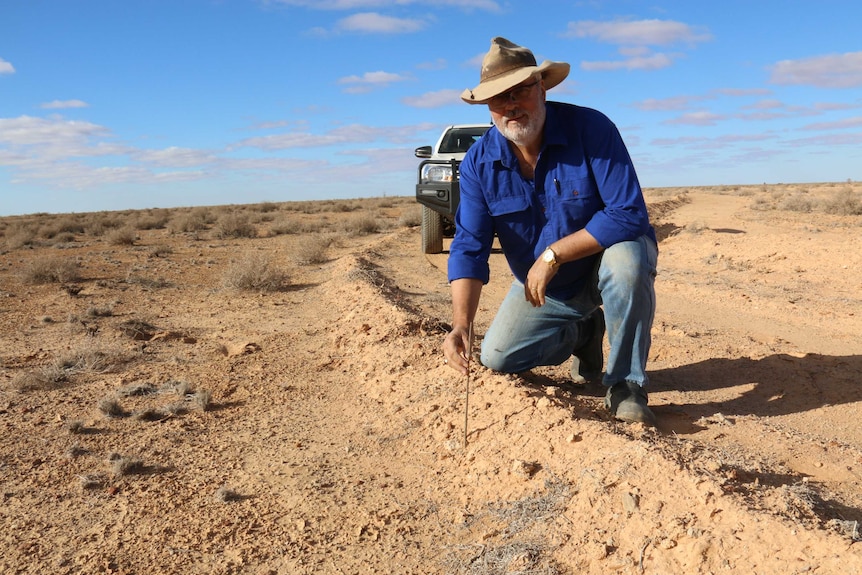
x=625 y=266
x=496 y=360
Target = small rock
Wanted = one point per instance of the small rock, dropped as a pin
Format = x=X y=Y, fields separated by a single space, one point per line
x=525 y=469
x=631 y=502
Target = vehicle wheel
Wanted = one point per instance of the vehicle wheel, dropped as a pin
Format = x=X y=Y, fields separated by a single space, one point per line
x=432 y=231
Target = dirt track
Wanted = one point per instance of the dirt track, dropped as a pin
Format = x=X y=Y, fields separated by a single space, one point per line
x=331 y=440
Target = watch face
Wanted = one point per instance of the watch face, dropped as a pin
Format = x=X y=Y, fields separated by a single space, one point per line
x=549 y=256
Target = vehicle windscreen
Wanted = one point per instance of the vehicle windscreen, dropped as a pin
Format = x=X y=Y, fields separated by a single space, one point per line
x=460 y=139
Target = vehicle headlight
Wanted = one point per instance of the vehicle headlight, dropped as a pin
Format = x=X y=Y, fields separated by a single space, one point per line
x=436 y=173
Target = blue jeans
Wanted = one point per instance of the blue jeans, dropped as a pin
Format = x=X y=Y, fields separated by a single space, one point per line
x=522 y=337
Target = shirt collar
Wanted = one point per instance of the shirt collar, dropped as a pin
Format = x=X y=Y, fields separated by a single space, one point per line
x=498 y=149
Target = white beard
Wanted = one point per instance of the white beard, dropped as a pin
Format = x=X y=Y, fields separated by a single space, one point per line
x=522 y=133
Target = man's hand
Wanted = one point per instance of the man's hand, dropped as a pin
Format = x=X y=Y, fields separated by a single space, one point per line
x=538 y=278
x=456 y=348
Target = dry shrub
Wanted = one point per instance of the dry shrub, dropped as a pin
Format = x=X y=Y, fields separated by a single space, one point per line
x=254 y=272
x=73 y=362
x=844 y=203
x=125 y=465
x=124 y=236
x=155 y=221
x=312 y=251
x=194 y=221
x=49 y=269
x=64 y=238
x=94 y=312
x=361 y=225
x=20 y=235
x=160 y=251
x=146 y=282
x=38 y=380
x=137 y=329
x=235 y=225
x=111 y=408
x=798 y=203
x=226 y=495
x=100 y=223
x=265 y=207
x=203 y=399
x=411 y=218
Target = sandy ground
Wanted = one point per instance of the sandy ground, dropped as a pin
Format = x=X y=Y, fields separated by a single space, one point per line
x=157 y=420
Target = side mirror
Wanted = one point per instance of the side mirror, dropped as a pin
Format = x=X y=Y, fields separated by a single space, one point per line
x=423 y=152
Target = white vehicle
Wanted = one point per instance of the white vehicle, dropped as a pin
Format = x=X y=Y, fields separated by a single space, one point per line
x=437 y=186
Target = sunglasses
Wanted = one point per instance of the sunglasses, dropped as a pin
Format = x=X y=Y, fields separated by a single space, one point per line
x=514 y=95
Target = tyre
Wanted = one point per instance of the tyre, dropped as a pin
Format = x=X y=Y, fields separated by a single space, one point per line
x=432 y=231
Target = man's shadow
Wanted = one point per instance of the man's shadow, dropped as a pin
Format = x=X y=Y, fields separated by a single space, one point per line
x=778 y=384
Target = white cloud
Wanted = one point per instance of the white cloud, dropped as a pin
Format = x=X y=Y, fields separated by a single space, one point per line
x=634 y=39
x=829 y=71
x=174 y=157
x=372 y=22
x=370 y=80
x=351 y=134
x=637 y=32
x=64 y=104
x=704 y=143
x=653 y=62
x=489 y=5
x=6 y=67
x=837 y=125
x=674 y=103
x=741 y=92
x=696 y=119
x=49 y=132
x=436 y=99
x=438 y=64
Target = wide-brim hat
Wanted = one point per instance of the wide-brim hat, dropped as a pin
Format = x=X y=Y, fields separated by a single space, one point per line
x=505 y=66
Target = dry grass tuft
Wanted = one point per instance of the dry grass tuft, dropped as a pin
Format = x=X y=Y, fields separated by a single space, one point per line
x=38 y=380
x=361 y=225
x=137 y=329
x=49 y=269
x=125 y=236
x=160 y=251
x=111 y=408
x=313 y=251
x=150 y=414
x=235 y=226
x=75 y=361
x=136 y=390
x=254 y=272
x=411 y=218
x=188 y=222
x=226 y=495
x=203 y=399
x=76 y=427
x=91 y=482
x=514 y=557
x=121 y=466
x=844 y=203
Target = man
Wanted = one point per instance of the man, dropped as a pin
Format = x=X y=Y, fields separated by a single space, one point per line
x=556 y=185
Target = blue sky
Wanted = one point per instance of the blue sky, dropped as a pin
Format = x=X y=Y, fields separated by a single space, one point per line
x=108 y=104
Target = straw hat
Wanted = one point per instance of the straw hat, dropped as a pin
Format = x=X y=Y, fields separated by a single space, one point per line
x=505 y=66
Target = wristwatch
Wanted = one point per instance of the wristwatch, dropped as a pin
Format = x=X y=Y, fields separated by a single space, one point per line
x=550 y=258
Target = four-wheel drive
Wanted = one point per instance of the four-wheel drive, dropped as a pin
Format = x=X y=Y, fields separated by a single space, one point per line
x=437 y=186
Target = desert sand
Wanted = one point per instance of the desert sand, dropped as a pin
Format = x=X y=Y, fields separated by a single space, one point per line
x=259 y=389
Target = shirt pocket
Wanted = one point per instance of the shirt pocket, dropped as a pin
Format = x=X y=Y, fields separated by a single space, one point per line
x=511 y=215
x=579 y=200
x=508 y=205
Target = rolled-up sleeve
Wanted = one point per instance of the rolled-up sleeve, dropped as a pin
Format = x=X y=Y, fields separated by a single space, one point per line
x=471 y=247
x=624 y=216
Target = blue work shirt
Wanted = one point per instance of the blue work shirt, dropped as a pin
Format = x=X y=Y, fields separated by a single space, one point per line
x=584 y=178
